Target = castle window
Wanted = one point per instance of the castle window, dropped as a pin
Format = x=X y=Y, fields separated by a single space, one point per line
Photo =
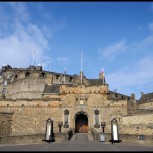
x=70 y=79
x=42 y=75
x=122 y=97
x=5 y=83
x=96 y=112
x=16 y=76
x=116 y=95
x=27 y=74
x=57 y=76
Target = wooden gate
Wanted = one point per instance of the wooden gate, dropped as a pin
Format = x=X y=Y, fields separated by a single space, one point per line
x=81 y=124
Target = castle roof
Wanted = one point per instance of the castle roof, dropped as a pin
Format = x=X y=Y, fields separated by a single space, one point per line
x=95 y=82
x=116 y=96
x=53 y=88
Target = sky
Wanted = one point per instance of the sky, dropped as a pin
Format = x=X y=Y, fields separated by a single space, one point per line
x=117 y=36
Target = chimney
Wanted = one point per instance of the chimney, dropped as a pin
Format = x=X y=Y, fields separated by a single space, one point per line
x=142 y=94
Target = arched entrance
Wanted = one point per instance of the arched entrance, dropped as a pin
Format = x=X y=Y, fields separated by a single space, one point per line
x=81 y=123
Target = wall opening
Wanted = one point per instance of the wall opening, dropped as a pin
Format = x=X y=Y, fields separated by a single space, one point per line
x=81 y=123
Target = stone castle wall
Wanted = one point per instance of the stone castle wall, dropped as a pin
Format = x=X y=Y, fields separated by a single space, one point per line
x=138 y=124
x=5 y=124
x=26 y=88
x=147 y=105
x=29 y=116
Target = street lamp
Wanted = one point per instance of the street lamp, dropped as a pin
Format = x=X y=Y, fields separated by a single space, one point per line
x=103 y=124
x=102 y=136
x=60 y=125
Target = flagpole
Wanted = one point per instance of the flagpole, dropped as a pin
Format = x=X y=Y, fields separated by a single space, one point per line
x=81 y=66
x=33 y=57
x=50 y=67
x=64 y=75
x=103 y=74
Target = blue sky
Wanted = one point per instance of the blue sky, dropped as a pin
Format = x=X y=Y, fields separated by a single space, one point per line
x=115 y=35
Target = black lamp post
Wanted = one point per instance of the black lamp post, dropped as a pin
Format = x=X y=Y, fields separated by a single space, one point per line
x=103 y=124
x=102 y=136
x=60 y=125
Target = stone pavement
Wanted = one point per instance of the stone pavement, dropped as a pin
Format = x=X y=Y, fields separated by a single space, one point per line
x=79 y=142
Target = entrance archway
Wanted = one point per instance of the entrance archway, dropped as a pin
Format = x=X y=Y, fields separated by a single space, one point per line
x=81 y=123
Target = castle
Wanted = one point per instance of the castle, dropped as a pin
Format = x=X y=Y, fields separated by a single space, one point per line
x=30 y=96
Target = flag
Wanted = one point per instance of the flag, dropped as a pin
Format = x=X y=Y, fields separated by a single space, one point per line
x=102 y=71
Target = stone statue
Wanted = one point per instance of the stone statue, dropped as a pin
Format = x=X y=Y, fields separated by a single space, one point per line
x=96 y=119
x=66 y=119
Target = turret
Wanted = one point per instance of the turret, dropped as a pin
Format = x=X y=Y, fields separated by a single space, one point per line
x=102 y=76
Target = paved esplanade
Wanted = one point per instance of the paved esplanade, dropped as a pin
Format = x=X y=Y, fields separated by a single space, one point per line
x=79 y=142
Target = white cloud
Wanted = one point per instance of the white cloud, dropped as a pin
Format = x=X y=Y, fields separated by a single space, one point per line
x=138 y=74
x=18 y=45
x=112 y=51
x=147 y=41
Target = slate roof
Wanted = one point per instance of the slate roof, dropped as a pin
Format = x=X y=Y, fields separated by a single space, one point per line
x=54 y=88
x=116 y=96
x=146 y=97
x=95 y=82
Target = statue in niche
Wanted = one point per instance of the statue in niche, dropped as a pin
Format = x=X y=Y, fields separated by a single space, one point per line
x=66 y=118
x=96 y=119
x=96 y=113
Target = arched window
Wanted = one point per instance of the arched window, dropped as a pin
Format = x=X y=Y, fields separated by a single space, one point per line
x=27 y=74
x=70 y=79
x=16 y=76
x=57 y=77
